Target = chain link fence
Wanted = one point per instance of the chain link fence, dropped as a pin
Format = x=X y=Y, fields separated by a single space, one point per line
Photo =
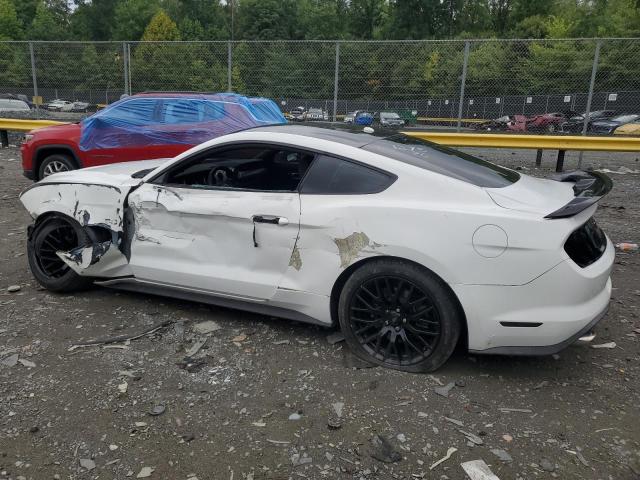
x=460 y=84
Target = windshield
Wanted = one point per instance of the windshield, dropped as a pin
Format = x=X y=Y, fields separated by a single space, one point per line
x=389 y=115
x=315 y=110
x=443 y=160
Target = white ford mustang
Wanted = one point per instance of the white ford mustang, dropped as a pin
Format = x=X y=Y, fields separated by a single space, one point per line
x=408 y=246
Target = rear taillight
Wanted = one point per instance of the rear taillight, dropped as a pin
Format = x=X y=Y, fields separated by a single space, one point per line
x=586 y=244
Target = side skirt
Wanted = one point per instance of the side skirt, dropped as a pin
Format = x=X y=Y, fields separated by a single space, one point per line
x=134 y=285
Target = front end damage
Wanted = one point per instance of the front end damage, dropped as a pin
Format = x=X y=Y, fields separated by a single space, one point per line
x=99 y=209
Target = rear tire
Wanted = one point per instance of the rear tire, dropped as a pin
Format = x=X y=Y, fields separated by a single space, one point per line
x=399 y=315
x=54 y=164
x=52 y=234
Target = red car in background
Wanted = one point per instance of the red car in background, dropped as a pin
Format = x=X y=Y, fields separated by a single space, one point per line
x=142 y=127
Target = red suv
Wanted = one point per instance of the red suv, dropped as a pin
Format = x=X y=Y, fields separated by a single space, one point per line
x=142 y=127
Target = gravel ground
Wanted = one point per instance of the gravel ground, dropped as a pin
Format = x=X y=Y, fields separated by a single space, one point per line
x=271 y=399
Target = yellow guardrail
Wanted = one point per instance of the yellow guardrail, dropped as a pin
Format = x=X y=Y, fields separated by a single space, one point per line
x=450 y=120
x=19 y=125
x=537 y=142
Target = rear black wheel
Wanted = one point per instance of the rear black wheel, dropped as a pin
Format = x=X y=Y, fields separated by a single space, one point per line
x=399 y=315
x=54 y=234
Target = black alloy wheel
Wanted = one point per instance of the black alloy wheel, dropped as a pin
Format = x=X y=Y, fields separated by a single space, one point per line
x=394 y=320
x=56 y=234
x=399 y=315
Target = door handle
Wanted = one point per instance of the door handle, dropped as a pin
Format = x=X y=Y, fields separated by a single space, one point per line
x=272 y=219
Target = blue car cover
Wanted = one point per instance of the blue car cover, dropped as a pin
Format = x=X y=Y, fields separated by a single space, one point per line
x=172 y=118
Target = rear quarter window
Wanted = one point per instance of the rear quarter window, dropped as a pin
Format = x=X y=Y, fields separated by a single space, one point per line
x=333 y=176
x=443 y=160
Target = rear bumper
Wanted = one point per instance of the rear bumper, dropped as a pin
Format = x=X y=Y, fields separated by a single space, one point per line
x=541 y=317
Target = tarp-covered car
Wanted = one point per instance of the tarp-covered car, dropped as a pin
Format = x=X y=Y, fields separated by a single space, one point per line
x=405 y=244
x=141 y=127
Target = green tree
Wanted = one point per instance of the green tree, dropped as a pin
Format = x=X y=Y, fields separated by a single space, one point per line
x=268 y=20
x=131 y=18
x=48 y=24
x=10 y=25
x=366 y=17
x=161 y=27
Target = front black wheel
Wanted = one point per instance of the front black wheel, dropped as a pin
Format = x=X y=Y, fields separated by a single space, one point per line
x=55 y=163
x=399 y=315
x=54 y=234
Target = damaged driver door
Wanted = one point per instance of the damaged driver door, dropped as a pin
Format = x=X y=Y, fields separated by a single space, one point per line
x=224 y=223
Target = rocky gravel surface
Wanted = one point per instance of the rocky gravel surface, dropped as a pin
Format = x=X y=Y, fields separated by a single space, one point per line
x=213 y=393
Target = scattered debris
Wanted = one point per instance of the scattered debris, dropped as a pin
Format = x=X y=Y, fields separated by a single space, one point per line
x=450 y=452
x=627 y=247
x=13 y=288
x=382 y=450
x=454 y=421
x=335 y=337
x=300 y=459
x=259 y=424
x=401 y=437
x=145 y=472
x=11 y=360
x=239 y=338
x=444 y=391
x=122 y=338
x=478 y=470
x=517 y=410
x=472 y=437
x=87 y=464
x=544 y=383
x=546 y=465
x=157 y=410
x=295 y=416
x=278 y=442
x=507 y=438
x=195 y=348
x=208 y=326
x=191 y=365
x=605 y=345
x=502 y=455
x=337 y=408
x=460 y=383
x=122 y=388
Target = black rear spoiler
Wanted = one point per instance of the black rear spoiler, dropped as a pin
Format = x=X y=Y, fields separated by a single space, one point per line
x=589 y=188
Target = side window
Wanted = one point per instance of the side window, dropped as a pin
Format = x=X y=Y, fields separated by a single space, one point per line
x=182 y=111
x=330 y=175
x=139 y=111
x=250 y=167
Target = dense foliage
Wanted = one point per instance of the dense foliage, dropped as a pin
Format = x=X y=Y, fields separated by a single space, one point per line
x=306 y=70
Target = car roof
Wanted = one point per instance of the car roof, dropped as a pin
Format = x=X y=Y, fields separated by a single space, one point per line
x=352 y=136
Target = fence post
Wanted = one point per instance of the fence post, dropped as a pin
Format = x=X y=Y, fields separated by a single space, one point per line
x=463 y=81
x=125 y=64
x=129 y=65
x=335 y=81
x=34 y=77
x=229 y=66
x=592 y=82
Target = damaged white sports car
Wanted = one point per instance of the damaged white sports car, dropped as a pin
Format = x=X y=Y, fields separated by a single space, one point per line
x=409 y=246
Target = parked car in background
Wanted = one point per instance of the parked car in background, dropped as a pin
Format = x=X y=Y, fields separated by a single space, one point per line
x=389 y=119
x=142 y=126
x=497 y=124
x=315 y=114
x=408 y=246
x=298 y=114
x=349 y=117
x=363 y=118
x=631 y=128
x=546 y=122
x=59 y=106
x=17 y=96
x=79 y=106
x=608 y=126
x=575 y=123
x=13 y=105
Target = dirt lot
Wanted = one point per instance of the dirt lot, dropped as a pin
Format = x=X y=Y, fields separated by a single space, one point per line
x=260 y=400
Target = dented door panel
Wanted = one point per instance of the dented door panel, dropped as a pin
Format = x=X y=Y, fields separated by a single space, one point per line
x=204 y=239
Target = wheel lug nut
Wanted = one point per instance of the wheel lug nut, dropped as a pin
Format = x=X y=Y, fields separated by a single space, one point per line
x=397 y=329
x=404 y=320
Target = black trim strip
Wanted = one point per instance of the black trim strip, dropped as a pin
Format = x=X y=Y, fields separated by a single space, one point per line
x=520 y=324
